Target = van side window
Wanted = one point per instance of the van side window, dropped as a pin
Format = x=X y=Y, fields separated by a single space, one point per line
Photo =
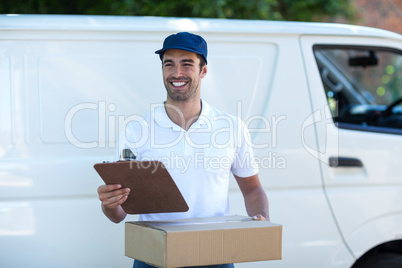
x=363 y=86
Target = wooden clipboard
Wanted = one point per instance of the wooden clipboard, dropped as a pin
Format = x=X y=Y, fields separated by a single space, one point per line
x=152 y=188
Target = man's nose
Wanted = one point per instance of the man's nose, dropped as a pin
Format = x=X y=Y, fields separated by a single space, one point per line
x=177 y=71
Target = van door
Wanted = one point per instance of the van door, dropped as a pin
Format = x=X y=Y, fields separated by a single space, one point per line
x=355 y=82
x=260 y=79
x=62 y=98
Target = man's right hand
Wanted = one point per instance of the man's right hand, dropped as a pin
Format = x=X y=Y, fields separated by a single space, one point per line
x=112 y=196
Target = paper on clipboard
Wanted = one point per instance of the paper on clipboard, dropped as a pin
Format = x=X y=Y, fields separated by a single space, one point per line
x=152 y=188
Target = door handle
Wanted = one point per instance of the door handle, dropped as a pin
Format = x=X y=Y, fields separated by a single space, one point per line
x=344 y=162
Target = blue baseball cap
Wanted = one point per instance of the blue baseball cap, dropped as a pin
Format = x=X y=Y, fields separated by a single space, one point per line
x=185 y=41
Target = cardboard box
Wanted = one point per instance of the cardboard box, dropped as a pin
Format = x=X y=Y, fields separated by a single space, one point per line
x=203 y=241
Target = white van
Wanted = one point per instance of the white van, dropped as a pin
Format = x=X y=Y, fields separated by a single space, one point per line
x=321 y=101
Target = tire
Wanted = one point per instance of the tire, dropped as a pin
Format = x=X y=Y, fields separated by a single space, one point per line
x=380 y=260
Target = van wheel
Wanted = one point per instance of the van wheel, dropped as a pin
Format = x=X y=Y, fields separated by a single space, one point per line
x=380 y=260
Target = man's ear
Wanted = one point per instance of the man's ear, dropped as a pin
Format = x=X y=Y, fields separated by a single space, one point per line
x=204 y=71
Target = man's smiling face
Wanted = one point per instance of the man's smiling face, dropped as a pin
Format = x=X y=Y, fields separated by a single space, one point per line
x=182 y=74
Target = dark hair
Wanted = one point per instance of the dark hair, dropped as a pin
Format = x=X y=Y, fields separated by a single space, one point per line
x=200 y=57
x=202 y=60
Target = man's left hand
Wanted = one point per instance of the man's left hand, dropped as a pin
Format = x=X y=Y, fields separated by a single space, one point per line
x=259 y=217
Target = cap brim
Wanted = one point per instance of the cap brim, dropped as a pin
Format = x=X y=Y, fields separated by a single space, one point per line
x=161 y=51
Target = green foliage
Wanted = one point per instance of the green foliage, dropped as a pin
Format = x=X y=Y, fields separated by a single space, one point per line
x=310 y=10
x=295 y=10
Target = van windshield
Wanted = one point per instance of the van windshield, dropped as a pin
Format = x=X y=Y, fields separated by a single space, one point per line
x=363 y=86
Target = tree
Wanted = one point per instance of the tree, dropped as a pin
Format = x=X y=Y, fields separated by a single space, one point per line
x=291 y=10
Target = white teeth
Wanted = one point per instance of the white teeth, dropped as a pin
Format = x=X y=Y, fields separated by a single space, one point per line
x=178 y=84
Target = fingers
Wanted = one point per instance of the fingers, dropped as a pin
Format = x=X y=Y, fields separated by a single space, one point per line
x=259 y=217
x=112 y=195
x=115 y=202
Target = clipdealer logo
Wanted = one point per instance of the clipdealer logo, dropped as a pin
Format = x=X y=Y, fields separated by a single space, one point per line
x=110 y=123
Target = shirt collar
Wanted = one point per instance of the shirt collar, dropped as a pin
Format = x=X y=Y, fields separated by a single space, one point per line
x=162 y=119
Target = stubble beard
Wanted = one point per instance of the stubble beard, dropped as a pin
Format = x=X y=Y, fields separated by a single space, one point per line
x=189 y=94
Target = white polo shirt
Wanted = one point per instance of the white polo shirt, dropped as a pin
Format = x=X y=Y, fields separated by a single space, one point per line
x=199 y=160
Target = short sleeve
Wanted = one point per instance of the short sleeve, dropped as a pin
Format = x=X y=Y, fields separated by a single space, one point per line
x=244 y=164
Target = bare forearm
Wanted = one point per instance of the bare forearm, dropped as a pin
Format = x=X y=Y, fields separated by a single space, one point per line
x=255 y=199
x=116 y=214
x=256 y=203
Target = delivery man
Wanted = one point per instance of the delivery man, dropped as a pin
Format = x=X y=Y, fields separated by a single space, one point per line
x=186 y=129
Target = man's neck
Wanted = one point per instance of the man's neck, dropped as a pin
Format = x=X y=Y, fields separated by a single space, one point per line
x=183 y=113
